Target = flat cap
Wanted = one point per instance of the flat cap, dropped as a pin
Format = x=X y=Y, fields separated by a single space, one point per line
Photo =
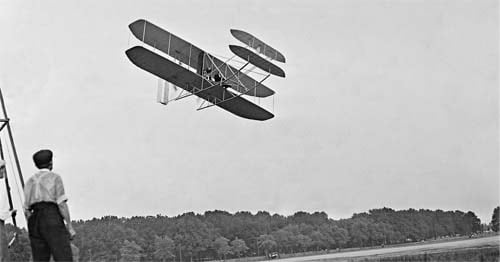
x=42 y=157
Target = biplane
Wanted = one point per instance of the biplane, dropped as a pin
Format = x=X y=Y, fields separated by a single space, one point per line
x=185 y=67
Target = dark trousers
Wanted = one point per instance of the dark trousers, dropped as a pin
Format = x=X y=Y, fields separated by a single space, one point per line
x=48 y=234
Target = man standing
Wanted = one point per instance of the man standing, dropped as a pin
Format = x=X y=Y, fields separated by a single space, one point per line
x=5 y=213
x=46 y=210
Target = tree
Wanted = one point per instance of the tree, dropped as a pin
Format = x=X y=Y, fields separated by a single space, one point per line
x=192 y=236
x=130 y=251
x=317 y=218
x=164 y=248
x=359 y=231
x=319 y=240
x=304 y=242
x=267 y=243
x=494 y=219
x=238 y=247
x=221 y=247
x=340 y=236
x=283 y=239
x=471 y=223
x=291 y=236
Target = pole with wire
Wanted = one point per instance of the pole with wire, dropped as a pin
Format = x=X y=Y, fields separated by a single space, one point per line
x=6 y=123
x=11 y=205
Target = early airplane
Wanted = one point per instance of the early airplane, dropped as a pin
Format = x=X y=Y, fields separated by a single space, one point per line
x=201 y=74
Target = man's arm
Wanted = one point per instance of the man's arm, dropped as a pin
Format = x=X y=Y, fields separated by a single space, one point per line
x=63 y=208
x=27 y=198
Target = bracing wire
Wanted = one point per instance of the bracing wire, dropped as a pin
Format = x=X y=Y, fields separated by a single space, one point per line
x=273 y=106
x=229 y=59
x=249 y=70
x=239 y=62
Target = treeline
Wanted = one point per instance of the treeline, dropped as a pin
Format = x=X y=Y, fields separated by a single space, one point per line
x=219 y=234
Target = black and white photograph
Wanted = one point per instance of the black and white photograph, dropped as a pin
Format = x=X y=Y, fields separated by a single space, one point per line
x=242 y=131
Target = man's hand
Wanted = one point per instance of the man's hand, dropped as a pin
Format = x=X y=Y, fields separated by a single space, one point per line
x=27 y=213
x=71 y=231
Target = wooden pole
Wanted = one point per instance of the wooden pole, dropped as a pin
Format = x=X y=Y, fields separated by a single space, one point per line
x=7 y=186
x=11 y=138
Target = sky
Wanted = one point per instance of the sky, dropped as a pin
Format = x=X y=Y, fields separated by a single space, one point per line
x=385 y=104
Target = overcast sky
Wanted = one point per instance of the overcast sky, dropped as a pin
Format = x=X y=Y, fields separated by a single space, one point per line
x=385 y=103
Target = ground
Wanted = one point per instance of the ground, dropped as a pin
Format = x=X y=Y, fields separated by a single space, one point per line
x=403 y=250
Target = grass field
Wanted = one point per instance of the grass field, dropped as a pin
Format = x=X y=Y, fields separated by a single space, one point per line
x=474 y=249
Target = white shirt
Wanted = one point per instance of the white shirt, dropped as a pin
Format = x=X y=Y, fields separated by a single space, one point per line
x=44 y=186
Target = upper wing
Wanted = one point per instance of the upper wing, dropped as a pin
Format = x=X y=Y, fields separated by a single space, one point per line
x=191 y=82
x=191 y=55
x=167 y=42
x=258 y=45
